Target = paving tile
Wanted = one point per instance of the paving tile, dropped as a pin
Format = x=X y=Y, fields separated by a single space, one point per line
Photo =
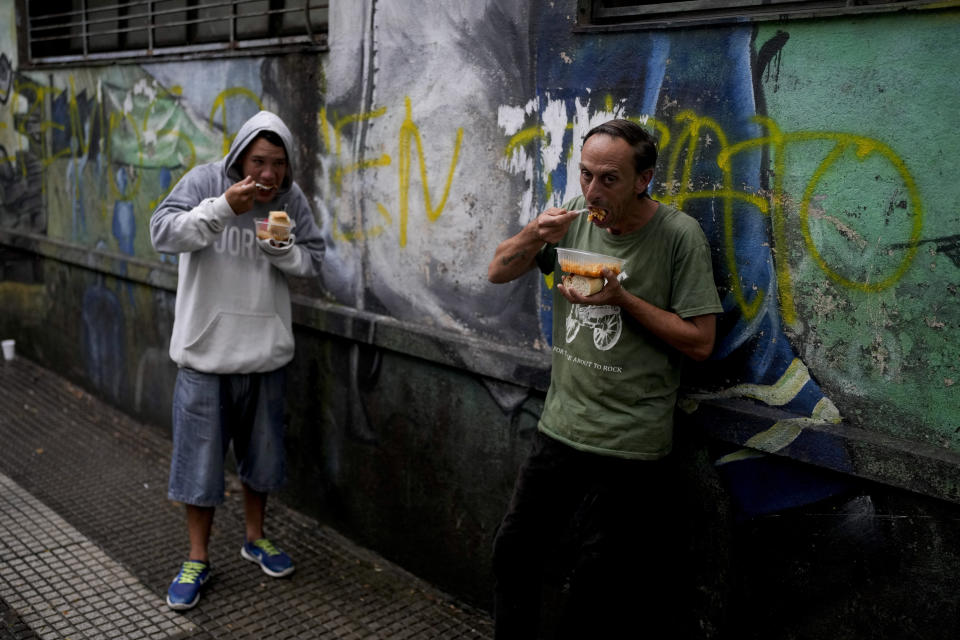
x=41 y=585
x=91 y=509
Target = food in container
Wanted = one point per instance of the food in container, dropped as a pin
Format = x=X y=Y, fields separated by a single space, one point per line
x=276 y=227
x=587 y=263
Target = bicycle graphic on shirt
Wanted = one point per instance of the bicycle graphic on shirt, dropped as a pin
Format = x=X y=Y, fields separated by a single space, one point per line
x=603 y=320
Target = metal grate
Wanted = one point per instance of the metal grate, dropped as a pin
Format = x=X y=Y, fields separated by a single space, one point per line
x=96 y=483
x=60 y=31
x=601 y=13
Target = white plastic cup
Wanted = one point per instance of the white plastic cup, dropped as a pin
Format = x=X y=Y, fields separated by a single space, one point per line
x=9 y=348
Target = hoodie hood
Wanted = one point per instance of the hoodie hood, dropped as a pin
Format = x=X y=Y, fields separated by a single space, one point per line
x=263 y=121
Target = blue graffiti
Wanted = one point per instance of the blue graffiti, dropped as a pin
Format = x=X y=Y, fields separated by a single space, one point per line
x=662 y=74
x=103 y=338
x=124 y=224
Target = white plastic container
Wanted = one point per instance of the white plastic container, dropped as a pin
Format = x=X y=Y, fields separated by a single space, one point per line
x=588 y=263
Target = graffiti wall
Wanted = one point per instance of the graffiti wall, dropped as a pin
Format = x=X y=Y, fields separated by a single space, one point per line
x=814 y=172
x=816 y=154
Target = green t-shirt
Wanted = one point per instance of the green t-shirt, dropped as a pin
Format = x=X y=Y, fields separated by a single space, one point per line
x=613 y=384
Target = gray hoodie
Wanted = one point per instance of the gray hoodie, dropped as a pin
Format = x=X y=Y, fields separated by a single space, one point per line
x=233 y=304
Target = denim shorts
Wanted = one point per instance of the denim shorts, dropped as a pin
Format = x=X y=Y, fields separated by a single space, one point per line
x=211 y=411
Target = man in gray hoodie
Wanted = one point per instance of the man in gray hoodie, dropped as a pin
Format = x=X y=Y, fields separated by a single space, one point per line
x=233 y=335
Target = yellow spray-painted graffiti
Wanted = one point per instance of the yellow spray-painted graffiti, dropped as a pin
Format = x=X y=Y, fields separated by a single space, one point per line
x=33 y=94
x=129 y=133
x=778 y=141
x=220 y=104
x=408 y=138
x=409 y=132
x=130 y=136
x=681 y=141
x=119 y=129
x=683 y=149
x=334 y=140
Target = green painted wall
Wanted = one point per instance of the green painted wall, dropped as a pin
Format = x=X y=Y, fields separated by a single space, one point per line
x=876 y=315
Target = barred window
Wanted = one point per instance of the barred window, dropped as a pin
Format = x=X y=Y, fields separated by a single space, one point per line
x=618 y=14
x=64 y=31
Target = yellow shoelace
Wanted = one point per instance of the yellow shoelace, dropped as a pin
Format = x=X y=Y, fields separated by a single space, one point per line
x=267 y=546
x=190 y=572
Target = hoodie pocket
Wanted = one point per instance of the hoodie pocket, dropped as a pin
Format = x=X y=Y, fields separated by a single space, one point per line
x=240 y=342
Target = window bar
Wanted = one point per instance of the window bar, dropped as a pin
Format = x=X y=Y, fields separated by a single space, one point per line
x=83 y=27
x=29 y=31
x=150 y=26
x=274 y=16
x=306 y=19
x=122 y=25
x=191 y=18
x=89 y=22
x=233 y=23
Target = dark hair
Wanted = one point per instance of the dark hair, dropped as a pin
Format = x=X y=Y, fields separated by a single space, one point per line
x=273 y=138
x=644 y=145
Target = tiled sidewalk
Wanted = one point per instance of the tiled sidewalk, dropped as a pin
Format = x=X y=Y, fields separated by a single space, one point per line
x=89 y=542
x=62 y=585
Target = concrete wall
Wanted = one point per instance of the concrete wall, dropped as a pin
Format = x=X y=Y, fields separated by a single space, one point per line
x=815 y=153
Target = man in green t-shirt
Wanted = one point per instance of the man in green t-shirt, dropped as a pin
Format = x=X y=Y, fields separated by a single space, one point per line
x=600 y=459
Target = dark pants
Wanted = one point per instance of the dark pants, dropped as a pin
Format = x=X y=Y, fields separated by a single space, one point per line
x=610 y=517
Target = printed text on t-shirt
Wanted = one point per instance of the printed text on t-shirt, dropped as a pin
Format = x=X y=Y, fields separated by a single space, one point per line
x=586 y=363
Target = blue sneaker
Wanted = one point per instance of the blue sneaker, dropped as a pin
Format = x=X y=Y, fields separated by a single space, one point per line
x=273 y=561
x=184 y=591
